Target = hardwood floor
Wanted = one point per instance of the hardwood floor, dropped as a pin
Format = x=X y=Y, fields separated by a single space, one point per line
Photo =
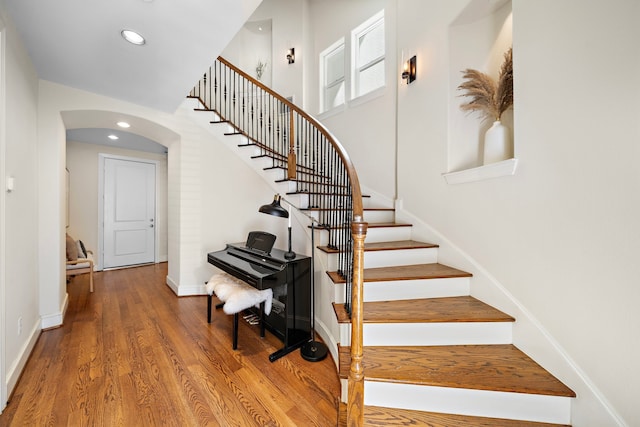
x=134 y=354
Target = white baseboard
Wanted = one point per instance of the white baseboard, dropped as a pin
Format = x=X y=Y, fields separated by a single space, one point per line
x=186 y=291
x=172 y=284
x=183 y=291
x=15 y=370
x=53 y=320
x=322 y=330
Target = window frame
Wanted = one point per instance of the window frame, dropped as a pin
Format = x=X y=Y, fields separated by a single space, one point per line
x=357 y=33
x=352 y=73
x=324 y=85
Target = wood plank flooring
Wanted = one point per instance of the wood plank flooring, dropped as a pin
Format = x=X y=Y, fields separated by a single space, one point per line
x=134 y=354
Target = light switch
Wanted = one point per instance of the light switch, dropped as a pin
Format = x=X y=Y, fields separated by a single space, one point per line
x=10 y=184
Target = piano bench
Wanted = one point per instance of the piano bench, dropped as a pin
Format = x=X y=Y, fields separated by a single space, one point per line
x=237 y=296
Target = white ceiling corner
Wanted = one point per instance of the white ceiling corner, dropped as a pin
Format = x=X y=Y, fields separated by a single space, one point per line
x=77 y=43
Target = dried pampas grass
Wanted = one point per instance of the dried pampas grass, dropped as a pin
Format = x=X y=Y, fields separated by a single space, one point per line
x=489 y=98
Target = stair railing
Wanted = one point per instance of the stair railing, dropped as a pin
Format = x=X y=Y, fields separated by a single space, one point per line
x=309 y=155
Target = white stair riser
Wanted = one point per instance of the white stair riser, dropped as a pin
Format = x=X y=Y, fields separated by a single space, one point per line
x=322 y=238
x=345 y=334
x=374 y=234
x=387 y=234
x=392 y=258
x=374 y=259
x=344 y=390
x=482 y=403
x=410 y=289
x=276 y=175
x=374 y=216
x=421 y=334
x=426 y=334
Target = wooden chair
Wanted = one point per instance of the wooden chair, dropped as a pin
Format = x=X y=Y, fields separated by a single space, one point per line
x=79 y=265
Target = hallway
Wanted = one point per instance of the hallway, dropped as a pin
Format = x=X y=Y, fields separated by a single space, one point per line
x=132 y=353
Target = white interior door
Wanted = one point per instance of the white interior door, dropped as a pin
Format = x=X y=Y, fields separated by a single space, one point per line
x=129 y=212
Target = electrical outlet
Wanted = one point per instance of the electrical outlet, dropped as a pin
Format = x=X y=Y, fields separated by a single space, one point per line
x=19 y=325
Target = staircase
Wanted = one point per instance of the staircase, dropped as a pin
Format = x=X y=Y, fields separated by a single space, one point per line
x=433 y=354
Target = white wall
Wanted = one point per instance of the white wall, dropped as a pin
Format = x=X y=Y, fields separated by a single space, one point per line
x=554 y=244
x=561 y=235
x=366 y=127
x=82 y=163
x=285 y=17
x=192 y=200
x=251 y=46
x=19 y=95
x=467 y=50
x=206 y=205
x=219 y=197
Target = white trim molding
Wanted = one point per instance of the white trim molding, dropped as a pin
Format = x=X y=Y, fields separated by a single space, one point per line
x=492 y=170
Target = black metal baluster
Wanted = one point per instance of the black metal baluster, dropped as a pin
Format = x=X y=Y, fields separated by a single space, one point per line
x=270 y=123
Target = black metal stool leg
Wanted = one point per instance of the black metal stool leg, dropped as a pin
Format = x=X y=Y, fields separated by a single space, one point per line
x=209 y=297
x=262 y=320
x=235 y=331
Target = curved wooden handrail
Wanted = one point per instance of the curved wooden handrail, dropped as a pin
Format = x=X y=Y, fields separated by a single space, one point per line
x=229 y=105
x=346 y=160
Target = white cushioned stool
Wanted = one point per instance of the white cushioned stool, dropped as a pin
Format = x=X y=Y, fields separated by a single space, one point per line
x=237 y=296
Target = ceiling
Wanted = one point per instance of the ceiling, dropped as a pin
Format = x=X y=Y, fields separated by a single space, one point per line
x=77 y=43
x=128 y=140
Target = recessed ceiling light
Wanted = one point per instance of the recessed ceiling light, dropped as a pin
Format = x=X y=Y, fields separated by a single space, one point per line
x=112 y=137
x=132 y=37
x=123 y=125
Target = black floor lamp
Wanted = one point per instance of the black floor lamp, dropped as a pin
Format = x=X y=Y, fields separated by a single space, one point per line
x=313 y=351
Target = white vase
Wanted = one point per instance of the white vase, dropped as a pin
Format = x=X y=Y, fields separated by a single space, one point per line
x=497 y=143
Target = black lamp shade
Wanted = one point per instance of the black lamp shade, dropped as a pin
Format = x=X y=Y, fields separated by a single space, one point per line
x=274 y=208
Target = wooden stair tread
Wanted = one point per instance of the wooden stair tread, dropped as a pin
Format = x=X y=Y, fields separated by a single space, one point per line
x=430 y=310
x=386 y=246
x=499 y=367
x=405 y=272
x=388 y=224
x=378 y=416
x=397 y=245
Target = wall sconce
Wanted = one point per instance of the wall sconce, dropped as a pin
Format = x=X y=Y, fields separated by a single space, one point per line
x=291 y=56
x=409 y=73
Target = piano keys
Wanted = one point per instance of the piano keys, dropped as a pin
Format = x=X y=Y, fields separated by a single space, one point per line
x=290 y=281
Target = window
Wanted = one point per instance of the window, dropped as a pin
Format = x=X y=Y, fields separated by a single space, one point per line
x=332 y=73
x=368 y=55
x=340 y=85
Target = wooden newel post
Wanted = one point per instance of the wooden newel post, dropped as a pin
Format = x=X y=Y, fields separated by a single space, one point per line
x=355 y=402
x=291 y=159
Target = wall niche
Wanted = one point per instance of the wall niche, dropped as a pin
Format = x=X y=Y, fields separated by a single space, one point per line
x=478 y=39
